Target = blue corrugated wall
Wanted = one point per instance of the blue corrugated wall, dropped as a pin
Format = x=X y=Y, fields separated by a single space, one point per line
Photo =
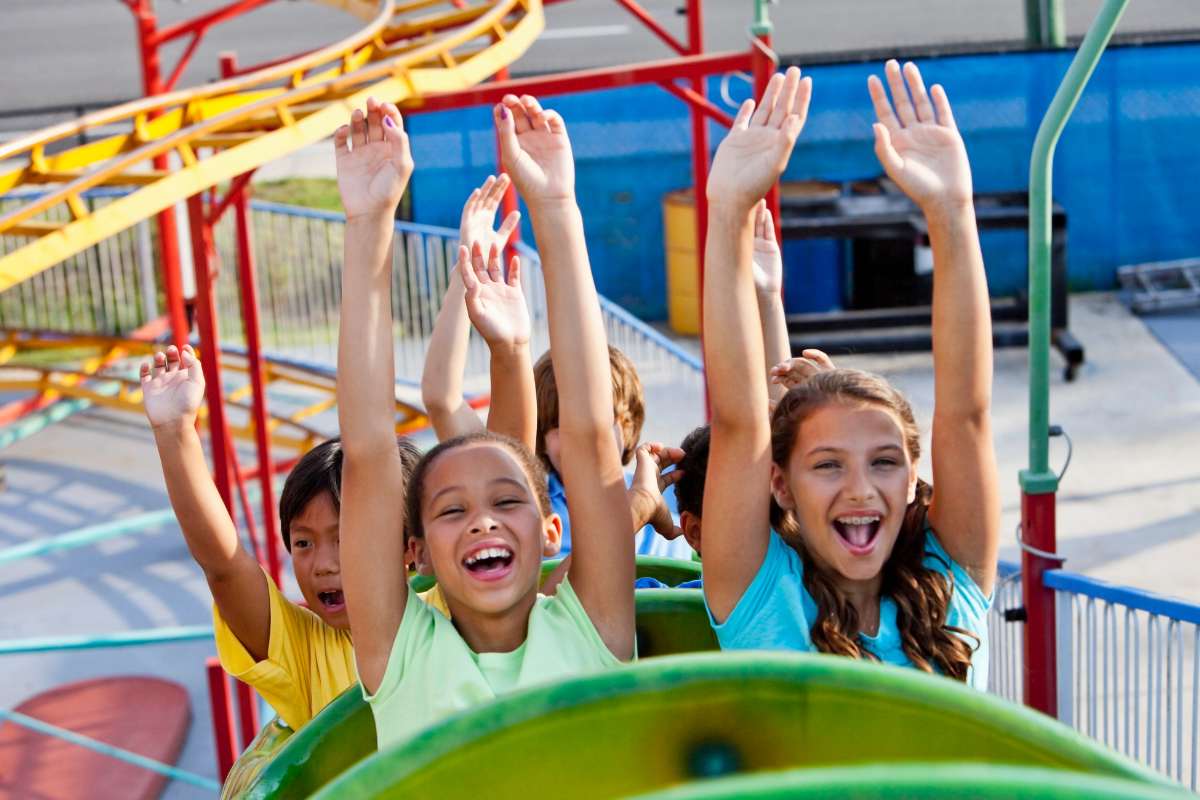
x=1127 y=169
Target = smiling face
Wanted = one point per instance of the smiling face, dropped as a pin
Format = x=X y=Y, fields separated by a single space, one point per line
x=314 y=536
x=484 y=530
x=847 y=482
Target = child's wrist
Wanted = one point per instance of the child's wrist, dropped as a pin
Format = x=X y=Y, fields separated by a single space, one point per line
x=556 y=204
x=175 y=429
x=949 y=216
x=510 y=350
x=372 y=217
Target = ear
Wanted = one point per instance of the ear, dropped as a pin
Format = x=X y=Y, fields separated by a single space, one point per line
x=780 y=489
x=691 y=529
x=551 y=536
x=417 y=554
x=913 y=477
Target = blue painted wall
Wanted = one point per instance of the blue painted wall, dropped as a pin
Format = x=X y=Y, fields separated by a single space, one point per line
x=1127 y=169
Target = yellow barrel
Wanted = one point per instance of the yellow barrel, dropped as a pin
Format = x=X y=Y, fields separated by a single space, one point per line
x=683 y=276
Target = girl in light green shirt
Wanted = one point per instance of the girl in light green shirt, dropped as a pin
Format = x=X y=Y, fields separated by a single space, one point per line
x=476 y=505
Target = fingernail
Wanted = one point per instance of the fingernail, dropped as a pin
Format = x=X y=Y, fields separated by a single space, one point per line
x=387 y=121
x=503 y=112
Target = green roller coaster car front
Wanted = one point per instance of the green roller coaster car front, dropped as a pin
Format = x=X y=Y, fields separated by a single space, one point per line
x=668 y=722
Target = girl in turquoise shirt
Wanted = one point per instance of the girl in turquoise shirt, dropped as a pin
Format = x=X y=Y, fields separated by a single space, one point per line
x=883 y=568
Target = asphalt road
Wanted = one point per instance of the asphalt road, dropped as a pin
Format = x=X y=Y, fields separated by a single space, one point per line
x=83 y=52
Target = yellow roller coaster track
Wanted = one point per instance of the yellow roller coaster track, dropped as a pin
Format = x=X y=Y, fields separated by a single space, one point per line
x=34 y=361
x=224 y=129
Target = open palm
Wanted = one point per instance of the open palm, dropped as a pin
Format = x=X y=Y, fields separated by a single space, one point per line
x=172 y=387
x=536 y=150
x=768 y=261
x=373 y=160
x=917 y=140
x=496 y=305
x=479 y=215
x=755 y=152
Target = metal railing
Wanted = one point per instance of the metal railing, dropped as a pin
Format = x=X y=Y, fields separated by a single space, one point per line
x=1006 y=654
x=1128 y=671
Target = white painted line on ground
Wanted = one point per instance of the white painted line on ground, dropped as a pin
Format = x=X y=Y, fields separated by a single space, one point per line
x=585 y=32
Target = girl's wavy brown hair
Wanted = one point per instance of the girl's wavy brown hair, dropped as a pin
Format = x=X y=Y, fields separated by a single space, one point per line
x=922 y=595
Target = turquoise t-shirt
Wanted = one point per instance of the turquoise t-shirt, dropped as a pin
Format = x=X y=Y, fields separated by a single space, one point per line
x=432 y=673
x=776 y=611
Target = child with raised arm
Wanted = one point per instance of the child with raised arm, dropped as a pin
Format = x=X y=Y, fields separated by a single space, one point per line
x=298 y=659
x=478 y=501
x=883 y=569
x=504 y=325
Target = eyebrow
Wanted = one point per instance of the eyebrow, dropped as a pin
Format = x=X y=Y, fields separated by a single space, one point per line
x=837 y=450
x=512 y=481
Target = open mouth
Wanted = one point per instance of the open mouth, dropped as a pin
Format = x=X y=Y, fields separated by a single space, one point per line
x=858 y=533
x=489 y=563
x=332 y=600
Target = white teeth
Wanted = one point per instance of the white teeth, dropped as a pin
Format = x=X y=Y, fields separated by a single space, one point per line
x=489 y=552
x=858 y=520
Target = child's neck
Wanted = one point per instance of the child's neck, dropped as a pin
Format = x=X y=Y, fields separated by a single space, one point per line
x=493 y=633
x=864 y=596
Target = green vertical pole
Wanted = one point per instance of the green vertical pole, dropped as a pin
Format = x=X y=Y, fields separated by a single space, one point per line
x=762 y=19
x=1038 y=478
x=1033 y=22
x=1045 y=23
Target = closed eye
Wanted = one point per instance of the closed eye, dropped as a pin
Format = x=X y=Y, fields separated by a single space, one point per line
x=445 y=512
x=509 y=501
x=886 y=462
x=825 y=465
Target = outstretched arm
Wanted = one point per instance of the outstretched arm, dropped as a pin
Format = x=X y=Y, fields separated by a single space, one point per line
x=737 y=492
x=446 y=358
x=172 y=390
x=768 y=287
x=537 y=154
x=919 y=146
x=373 y=165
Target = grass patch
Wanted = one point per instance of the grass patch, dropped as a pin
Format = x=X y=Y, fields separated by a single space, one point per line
x=321 y=193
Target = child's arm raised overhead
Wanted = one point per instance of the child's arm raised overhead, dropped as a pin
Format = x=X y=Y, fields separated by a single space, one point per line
x=537 y=154
x=768 y=286
x=373 y=168
x=737 y=492
x=920 y=147
x=446 y=357
x=172 y=391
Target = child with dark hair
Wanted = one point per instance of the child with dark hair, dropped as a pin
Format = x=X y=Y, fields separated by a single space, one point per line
x=298 y=659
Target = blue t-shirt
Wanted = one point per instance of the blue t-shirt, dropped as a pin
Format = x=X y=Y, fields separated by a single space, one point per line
x=776 y=611
x=646 y=543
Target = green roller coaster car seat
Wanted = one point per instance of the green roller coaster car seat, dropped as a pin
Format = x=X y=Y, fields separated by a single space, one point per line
x=653 y=725
x=669 y=621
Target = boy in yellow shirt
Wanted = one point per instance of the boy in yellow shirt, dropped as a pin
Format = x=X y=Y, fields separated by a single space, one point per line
x=299 y=659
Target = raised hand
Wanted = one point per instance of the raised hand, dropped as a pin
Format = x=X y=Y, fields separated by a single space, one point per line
x=768 y=260
x=917 y=141
x=479 y=215
x=649 y=482
x=495 y=305
x=172 y=387
x=756 y=150
x=374 y=162
x=535 y=150
x=794 y=371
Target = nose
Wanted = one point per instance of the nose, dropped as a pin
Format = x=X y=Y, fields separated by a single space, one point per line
x=483 y=522
x=327 y=561
x=859 y=487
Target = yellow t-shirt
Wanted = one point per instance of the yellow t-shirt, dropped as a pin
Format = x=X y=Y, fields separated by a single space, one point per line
x=308 y=664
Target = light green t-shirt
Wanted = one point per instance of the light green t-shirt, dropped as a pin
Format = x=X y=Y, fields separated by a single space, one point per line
x=432 y=673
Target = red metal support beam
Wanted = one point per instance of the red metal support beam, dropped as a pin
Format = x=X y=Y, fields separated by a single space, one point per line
x=706 y=106
x=654 y=27
x=221 y=705
x=587 y=80
x=248 y=284
x=200 y=24
x=210 y=348
x=1038 y=531
x=699 y=89
x=247 y=713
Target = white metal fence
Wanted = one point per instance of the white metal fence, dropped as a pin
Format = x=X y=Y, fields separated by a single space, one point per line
x=1128 y=670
